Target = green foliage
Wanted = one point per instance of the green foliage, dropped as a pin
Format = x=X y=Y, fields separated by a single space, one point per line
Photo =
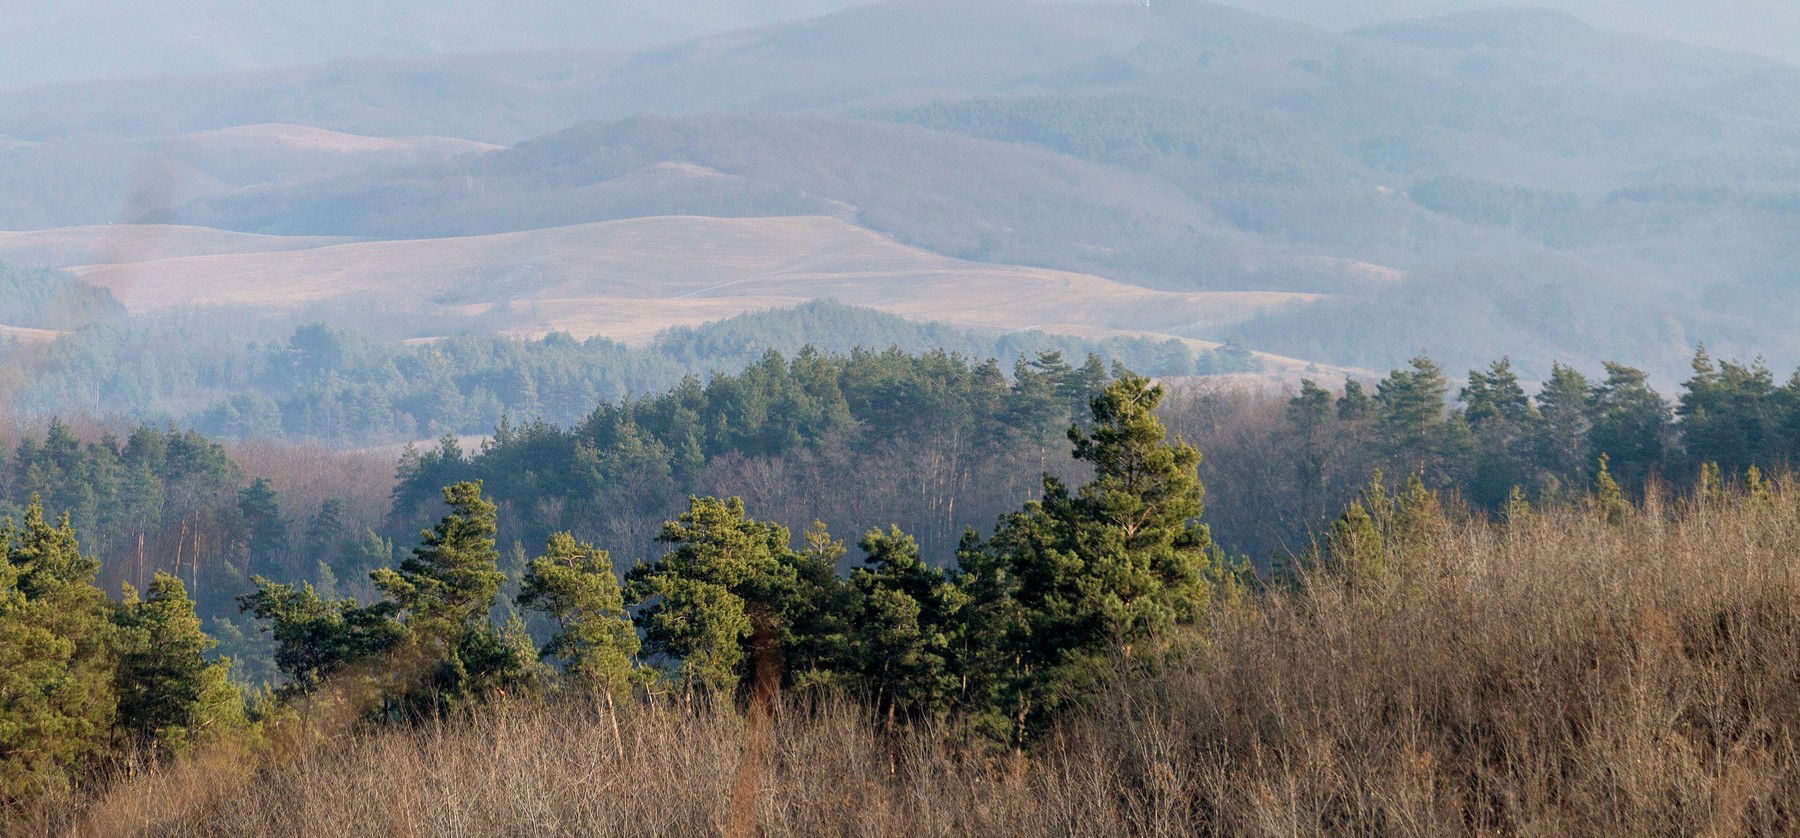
x=1410 y=407
x=317 y=638
x=266 y=533
x=449 y=582
x=1729 y=414
x=1355 y=546
x=342 y=385
x=52 y=300
x=444 y=593
x=170 y=695
x=728 y=576
x=622 y=466
x=1103 y=570
x=1565 y=404
x=1608 y=499
x=906 y=629
x=595 y=640
x=1631 y=424
x=57 y=660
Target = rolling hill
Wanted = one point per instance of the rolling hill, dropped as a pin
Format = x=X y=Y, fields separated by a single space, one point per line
x=630 y=279
x=64 y=247
x=1482 y=182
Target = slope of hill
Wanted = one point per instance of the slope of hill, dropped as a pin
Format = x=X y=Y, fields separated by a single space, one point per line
x=1525 y=174
x=968 y=197
x=630 y=279
x=99 y=179
x=65 y=247
x=56 y=40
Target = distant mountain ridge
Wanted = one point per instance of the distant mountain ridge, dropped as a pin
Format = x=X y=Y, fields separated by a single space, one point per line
x=1492 y=181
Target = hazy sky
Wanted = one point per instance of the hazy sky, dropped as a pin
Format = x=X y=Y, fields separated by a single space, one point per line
x=57 y=40
x=60 y=40
x=1770 y=27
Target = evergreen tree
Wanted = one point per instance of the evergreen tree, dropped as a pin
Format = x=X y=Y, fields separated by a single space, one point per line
x=170 y=695
x=1312 y=417
x=1608 y=499
x=1355 y=403
x=445 y=591
x=904 y=629
x=1356 y=548
x=815 y=629
x=1729 y=414
x=317 y=638
x=1503 y=423
x=265 y=532
x=574 y=583
x=449 y=582
x=325 y=531
x=1566 y=406
x=729 y=581
x=57 y=664
x=1631 y=424
x=1101 y=570
x=1409 y=406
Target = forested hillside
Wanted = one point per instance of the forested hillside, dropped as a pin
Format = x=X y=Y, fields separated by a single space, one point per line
x=1096 y=622
x=351 y=386
x=820 y=437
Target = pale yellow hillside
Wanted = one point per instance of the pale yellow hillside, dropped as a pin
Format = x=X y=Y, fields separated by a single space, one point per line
x=630 y=279
x=108 y=243
x=293 y=137
x=27 y=335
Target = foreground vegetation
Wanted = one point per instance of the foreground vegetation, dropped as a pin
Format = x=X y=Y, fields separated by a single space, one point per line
x=1588 y=669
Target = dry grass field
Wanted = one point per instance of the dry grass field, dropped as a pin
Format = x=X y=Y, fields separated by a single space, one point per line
x=102 y=244
x=630 y=279
x=1562 y=675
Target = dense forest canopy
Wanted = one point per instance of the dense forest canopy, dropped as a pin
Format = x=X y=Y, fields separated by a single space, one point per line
x=934 y=442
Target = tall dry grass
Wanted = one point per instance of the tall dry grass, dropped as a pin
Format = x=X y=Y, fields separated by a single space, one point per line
x=1561 y=676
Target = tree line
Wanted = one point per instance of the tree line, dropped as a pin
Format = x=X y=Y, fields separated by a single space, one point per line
x=1009 y=635
x=350 y=386
x=997 y=633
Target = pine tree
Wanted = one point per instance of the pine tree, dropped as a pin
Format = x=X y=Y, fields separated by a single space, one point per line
x=1410 y=412
x=265 y=532
x=1502 y=422
x=450 y=580
x=815 y=630
x=1099 y=571
x=445 y=591
x=1631 y=424
x=1356 y=547
x=1517 y=509
x=325 y=531
x=57 y=659
x=730 y=580
x=1312 y=417
x=904 y=629
x=1566 y=406
x=170 y=695
x=1729 y=413
x=1608 y=498
x=1355 y=404
x=318 y=638
x=574 y=583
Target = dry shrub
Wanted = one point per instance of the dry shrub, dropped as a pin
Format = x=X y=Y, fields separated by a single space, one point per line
x=1560 y=676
